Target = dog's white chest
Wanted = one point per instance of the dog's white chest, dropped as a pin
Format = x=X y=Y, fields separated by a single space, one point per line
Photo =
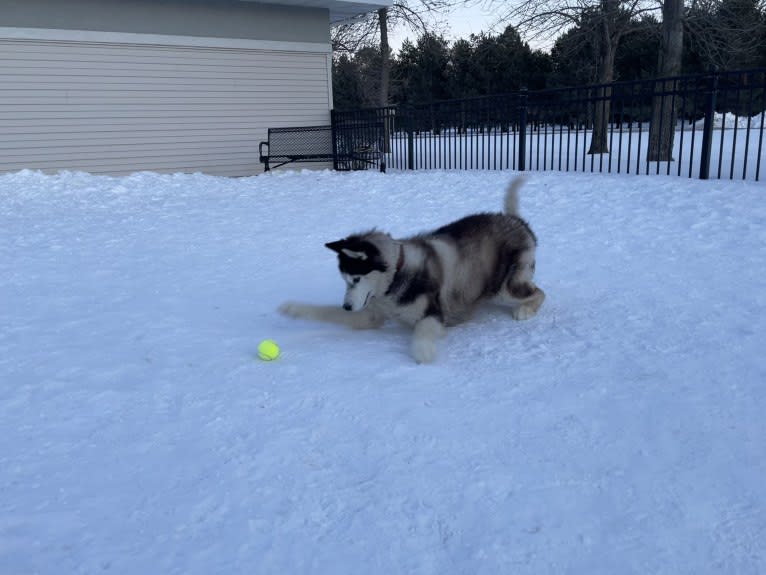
x=408 y=314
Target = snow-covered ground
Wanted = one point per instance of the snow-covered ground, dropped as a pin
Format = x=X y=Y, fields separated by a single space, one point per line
x=620 y=431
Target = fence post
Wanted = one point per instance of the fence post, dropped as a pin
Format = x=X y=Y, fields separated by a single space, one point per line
x=333 y=135
x=523 y=109
x=707 y=129
x=410 y=140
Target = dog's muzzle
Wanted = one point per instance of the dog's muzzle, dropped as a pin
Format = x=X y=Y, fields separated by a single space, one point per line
x=354 y=302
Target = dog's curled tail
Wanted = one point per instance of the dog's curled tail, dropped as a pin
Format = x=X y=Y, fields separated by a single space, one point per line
x=511 y=204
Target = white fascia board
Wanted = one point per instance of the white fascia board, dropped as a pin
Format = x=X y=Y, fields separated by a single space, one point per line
x=339 y=9
x=54 y=35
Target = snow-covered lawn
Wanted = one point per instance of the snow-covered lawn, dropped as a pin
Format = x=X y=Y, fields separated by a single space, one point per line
x=621 y=431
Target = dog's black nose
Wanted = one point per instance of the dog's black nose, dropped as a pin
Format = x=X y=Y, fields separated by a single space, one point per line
x=347 y=306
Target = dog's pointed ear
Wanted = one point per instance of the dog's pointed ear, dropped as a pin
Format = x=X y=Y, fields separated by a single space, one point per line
x=354 y=255
x=337 y=246
x=347 y=248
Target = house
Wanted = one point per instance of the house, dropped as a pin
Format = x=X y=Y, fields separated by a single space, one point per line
x=118 y=86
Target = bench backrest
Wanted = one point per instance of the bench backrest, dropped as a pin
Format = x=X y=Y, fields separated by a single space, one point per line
x=309 y=141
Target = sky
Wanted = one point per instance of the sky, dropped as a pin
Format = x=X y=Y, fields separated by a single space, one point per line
x=460 y=22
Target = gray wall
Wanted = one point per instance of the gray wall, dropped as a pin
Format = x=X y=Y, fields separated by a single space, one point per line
x=116 y=86
x=210 y=18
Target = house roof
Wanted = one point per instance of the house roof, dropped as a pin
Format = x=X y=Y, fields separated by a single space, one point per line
x=339 y=9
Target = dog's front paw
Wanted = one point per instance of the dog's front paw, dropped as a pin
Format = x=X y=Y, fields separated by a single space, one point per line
x=292 y=309
x=423 y=350
x=427 y=331
x=522 y=313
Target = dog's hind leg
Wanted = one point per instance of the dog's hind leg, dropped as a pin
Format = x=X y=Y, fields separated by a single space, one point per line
x=427 y=331
x=519 y=292
x=364 y=319
x=523 y=299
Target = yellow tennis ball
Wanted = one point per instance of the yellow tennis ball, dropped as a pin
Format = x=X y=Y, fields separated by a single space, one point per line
x=268 y=350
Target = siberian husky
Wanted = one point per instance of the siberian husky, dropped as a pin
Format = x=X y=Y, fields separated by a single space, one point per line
x=436 y=279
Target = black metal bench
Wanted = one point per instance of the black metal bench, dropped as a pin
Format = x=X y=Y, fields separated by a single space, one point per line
x=348 y=147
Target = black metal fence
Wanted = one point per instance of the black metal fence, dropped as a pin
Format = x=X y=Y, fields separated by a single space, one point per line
x=708 y=126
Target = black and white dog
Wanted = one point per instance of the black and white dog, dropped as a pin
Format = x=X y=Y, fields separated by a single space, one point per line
x=435 y=279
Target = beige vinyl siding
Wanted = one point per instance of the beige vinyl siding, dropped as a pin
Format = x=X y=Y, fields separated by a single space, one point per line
x=120 y=108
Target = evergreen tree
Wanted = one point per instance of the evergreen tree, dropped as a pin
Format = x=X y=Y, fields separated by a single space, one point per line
x=638 y=52
x=346 y=88
x=421 y=71
x=722 y=34
x=462 y=71
x=539 y=68
x=575 y=59
x=502 y=61
x=725 y=34
x=356 y=80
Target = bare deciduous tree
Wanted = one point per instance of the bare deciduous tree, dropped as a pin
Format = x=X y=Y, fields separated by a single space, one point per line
x=608 y=20
x=664 y=114
x=417 y=15
x=727 y=33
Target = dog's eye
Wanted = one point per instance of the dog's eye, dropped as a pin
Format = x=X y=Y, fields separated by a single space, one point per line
x=356 y=280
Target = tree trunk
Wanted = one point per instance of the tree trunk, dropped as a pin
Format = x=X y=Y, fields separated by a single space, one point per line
x=602 y=105
x=385 y=58
x=664 y=112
